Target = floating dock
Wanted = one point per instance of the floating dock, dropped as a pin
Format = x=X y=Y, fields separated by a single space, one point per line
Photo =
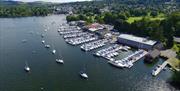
x=109 y=52
x=73 y=35
x=94 y=45
x=157 y=70
x=81 y=40
x=128 y=61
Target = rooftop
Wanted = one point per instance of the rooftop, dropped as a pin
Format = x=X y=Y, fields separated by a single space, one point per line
x=137 y=39
x=95 y=26
x=154 y=53
x=177 y=39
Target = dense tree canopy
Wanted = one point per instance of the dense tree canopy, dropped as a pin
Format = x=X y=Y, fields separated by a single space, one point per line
x=23 y=10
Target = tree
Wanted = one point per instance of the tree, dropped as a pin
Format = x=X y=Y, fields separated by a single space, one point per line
x=72 y=18
x=153 y=13
x=24 y=10
x=176 y=78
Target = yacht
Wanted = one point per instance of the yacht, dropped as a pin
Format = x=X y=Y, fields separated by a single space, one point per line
x=119 y=64
x=53 y=51
x=60 y=61
x=83 y=75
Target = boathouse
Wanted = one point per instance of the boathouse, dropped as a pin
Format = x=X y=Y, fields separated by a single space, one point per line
x=138 y=42
x=153 y=54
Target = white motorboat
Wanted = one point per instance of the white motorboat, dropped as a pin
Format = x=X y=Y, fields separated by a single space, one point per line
x=47 y=46
x=43 y=41
x=117 y=64
x=124 y=49
x=83 y=75
x=27 y=68
x=53 y=51
x=60 y=61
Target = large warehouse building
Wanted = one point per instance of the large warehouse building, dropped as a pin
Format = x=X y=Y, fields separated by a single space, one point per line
x=134 y=41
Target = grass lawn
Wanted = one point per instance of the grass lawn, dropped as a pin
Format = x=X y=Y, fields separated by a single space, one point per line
x=132 y=19
x=159 y=17
x=175 y=63
x=176 y=47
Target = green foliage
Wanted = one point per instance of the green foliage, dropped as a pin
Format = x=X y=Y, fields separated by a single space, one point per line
x=178 y=55
x=174 y=20
x=23 y=10
x=154 y=13
x=72 y=18
x=176 y=77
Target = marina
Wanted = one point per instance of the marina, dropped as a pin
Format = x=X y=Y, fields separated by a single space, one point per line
x=72 y=35
x=128 y=61
x=47 y=74
x=109 y=52
x=81 y=40
x=94 y=45
x=70 y=31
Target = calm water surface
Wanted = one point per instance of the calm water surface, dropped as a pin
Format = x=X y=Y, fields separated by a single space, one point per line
x=46 y=73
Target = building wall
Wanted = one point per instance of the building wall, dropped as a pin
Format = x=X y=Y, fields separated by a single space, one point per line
x=134 y=44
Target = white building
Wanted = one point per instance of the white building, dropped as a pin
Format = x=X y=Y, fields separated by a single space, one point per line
x=135 y=41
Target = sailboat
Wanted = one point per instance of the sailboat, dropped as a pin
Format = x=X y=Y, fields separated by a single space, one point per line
x=27 y=68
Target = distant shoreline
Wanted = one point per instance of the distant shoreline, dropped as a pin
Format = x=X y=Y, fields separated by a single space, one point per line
x=32 y=16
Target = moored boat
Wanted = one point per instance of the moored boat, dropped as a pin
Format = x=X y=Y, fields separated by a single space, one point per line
x=83 y=75
x=27 y=68
x=53 y=51
x=60 y=61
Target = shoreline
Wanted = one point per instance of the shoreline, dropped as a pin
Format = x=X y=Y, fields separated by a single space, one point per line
x=31 y=16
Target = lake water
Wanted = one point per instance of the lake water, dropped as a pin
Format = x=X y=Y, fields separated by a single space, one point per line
x=46 y=73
